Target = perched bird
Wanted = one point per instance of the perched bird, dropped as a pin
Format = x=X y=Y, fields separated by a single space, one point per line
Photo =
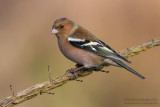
x=84 y=48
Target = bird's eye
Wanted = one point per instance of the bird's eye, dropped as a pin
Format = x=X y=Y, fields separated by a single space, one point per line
x=62 y=26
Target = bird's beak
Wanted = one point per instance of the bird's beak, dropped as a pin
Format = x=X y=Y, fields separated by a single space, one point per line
x=54 y=31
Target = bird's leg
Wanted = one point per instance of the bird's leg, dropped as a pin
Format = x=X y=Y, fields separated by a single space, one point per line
x=74 y=71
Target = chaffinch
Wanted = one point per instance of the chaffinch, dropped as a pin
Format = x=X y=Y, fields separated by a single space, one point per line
x=84 y=48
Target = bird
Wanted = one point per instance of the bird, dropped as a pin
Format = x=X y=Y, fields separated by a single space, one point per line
x=84 y=48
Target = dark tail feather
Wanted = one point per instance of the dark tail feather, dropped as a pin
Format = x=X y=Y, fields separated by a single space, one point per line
x=121 y=64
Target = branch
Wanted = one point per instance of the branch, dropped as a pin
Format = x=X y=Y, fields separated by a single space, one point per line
x=44 y=87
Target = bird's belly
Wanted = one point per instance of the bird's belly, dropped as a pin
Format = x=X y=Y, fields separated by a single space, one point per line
x=80 y=56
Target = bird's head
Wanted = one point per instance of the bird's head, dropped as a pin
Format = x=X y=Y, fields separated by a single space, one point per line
x=63 y=27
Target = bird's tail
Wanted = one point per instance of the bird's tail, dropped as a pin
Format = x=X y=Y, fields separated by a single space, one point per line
x=121 y=64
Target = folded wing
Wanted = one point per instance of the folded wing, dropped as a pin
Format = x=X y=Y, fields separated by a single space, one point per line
x=97 y=47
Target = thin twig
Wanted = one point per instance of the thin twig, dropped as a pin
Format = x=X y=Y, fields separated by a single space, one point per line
x=59 y=81
x=50 y=78
x=12 y=90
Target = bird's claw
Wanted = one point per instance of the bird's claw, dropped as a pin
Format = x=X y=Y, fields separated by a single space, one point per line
x=73 y=71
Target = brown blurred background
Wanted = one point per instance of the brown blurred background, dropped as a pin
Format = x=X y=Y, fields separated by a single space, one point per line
x=27 y=48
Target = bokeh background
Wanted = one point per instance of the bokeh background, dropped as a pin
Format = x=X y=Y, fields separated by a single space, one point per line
x=27 y=48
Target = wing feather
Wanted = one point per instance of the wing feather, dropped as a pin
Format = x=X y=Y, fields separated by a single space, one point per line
x=97 y=47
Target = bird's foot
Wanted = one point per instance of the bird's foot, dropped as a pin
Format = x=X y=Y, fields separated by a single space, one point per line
x=74 y=71
x=71 y=70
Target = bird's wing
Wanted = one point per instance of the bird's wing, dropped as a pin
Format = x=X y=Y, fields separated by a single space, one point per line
x=97 y=47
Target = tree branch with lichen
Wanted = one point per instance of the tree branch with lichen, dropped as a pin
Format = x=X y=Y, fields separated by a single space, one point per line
x=44 y=87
